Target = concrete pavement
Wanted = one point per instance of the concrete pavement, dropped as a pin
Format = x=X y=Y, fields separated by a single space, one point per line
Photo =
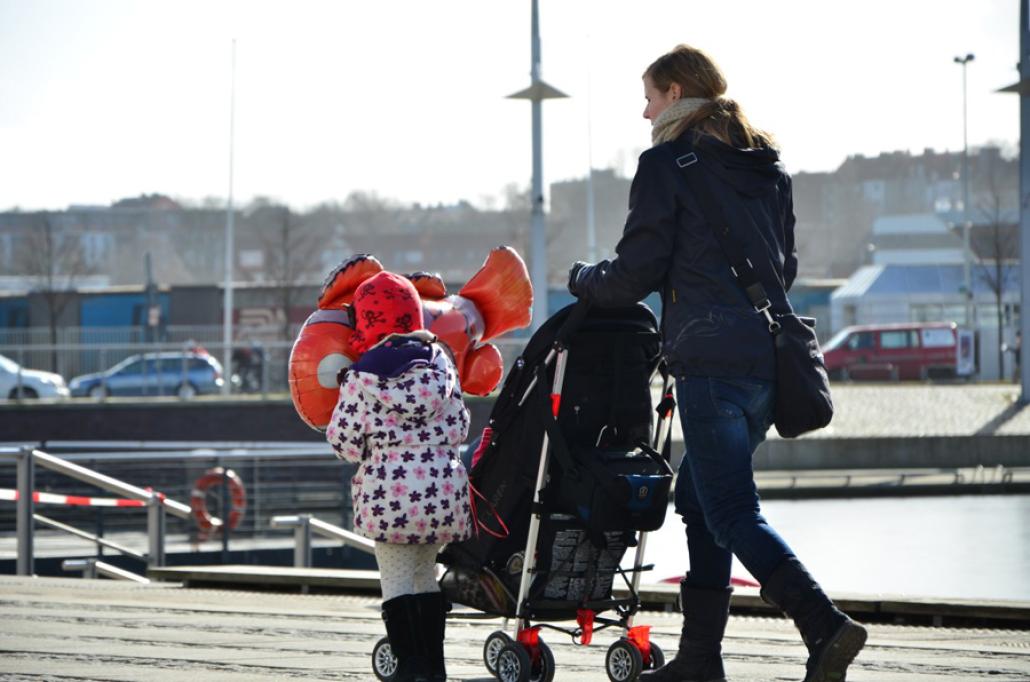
x=72 y=629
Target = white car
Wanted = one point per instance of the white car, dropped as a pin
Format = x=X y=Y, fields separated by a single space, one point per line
x=34 y=383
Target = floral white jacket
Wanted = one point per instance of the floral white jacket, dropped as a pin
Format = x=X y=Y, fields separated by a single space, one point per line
x=404 y=432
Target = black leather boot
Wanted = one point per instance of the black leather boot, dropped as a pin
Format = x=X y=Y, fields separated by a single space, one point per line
x=699 y=658
x=403 y=627
x=433 y=608
x=833 y=639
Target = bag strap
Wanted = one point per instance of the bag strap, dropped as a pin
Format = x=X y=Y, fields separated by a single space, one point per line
x=657 y=457
x=501 y=534
x=665 y=409
x=740 y=265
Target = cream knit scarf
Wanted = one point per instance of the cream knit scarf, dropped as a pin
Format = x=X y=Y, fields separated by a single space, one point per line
x=665 y=127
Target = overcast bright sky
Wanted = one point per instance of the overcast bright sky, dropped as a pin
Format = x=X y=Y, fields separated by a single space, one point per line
x=104 y=99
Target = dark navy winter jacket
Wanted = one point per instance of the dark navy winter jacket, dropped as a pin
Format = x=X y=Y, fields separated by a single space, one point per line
x=708 y=326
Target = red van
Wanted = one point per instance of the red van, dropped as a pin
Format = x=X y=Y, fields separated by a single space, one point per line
x=903 y=351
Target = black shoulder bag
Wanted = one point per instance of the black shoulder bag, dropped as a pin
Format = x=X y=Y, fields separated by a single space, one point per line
x=803 y=401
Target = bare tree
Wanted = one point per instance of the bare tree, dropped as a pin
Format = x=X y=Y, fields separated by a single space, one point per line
x=291 y=254
x=360 y=201
x=54 y=262
x=996 y=245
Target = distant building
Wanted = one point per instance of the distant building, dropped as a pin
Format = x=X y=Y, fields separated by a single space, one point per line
x=916 y=238
x=836 y=212
x=917 y=274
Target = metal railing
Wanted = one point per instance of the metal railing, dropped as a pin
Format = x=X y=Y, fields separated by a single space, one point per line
x=269 y=375
x=279 y=477
x=69 y=353
x=94 y=568
x=258 y=368
x=27 y=458
x=95 y=539
x=998 y=475
x=305 y=524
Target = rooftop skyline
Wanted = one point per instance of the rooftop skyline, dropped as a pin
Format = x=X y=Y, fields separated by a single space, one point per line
x=116 y=98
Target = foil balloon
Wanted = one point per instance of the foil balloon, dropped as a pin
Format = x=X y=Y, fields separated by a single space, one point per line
x=496 y=300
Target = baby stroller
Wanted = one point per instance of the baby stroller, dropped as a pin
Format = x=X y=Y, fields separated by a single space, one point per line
x=568 y=476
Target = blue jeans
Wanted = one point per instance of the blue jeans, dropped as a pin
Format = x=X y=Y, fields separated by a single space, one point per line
x=724 y=419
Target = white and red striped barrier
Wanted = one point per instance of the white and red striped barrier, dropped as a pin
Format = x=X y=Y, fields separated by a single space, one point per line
x=72 y=500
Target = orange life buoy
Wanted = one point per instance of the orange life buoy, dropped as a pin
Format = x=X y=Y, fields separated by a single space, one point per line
x=237 y=497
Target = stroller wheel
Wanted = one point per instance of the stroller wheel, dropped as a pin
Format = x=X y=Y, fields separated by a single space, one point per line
x=657 y=657
x=494 y=643
x=384 y=663
x=623 y=662
x=513 y=663
x=543 y=669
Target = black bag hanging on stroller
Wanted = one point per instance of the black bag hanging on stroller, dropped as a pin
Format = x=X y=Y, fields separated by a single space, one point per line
x=613 y=489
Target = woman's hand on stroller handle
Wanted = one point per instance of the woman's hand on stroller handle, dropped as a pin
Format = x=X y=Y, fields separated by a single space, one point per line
x=574 y=273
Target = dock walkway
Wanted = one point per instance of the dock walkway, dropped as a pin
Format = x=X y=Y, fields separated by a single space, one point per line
x=59 y=629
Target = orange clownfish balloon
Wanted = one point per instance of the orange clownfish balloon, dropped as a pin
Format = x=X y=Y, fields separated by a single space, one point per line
x=496 y=300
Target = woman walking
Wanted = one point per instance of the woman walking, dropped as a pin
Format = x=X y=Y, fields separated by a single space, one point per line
x=720 y=350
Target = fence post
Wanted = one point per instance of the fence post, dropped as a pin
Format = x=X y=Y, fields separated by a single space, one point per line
x=103 y=376
x=156 y=530
x=25 y=510
x=21 y=365
x=302 y=539
x=226 y=512
x=265 y=358
x=99 y=526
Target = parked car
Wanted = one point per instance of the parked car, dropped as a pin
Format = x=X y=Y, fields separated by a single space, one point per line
x=914 y=351
x=34 y=383
x=154 y=374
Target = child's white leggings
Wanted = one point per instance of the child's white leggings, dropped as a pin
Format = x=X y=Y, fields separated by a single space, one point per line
x=406 y=569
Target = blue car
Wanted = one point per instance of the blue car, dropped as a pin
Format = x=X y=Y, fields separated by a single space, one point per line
x=153 y=374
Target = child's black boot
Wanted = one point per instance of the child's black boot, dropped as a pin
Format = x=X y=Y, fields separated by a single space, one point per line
x=405 y=632
x=433 y=607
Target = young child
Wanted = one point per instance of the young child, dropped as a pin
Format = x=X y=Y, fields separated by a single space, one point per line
x=401 y=418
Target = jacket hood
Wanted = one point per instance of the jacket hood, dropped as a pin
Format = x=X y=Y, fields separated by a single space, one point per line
x=752 y=172
x=417 y=394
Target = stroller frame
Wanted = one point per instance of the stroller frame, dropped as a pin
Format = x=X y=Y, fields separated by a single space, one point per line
x=633 y=652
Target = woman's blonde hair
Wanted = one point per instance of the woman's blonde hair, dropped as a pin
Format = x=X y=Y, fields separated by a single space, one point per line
x=698 y=76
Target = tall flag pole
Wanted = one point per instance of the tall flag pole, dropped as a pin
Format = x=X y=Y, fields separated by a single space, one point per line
x=229 y=227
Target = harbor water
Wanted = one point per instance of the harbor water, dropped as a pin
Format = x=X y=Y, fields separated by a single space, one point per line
x=966 y=547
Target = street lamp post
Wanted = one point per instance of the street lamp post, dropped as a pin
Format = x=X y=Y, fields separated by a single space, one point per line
x=966 y=227
x=536 y=93
x=1022 y=88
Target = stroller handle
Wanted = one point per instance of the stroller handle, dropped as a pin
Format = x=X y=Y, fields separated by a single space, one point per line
x=572 y=322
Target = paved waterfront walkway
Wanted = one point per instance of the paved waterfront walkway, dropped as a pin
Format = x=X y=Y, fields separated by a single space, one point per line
x=909 y=410
x=72 y=629
x=906 y=410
